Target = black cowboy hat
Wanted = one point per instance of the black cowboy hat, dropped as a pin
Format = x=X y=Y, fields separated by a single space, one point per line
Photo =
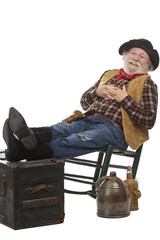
x=145 y=45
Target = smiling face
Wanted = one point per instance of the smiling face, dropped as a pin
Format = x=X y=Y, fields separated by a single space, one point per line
x=136 y=60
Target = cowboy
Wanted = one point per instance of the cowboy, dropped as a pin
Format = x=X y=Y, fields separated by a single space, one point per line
x=120 y=108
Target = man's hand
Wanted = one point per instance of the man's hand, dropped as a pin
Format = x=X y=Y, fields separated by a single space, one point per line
x=110 y=92
x=106 y=91
x=120 y=94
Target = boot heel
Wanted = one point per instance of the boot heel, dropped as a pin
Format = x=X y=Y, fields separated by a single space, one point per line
x=9 y=156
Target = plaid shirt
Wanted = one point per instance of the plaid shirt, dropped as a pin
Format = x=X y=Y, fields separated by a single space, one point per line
x=143 y=113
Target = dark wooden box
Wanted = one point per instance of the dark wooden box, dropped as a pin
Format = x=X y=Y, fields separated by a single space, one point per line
x=31 y=193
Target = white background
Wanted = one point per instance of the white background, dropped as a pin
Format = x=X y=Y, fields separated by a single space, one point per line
x=50 y=53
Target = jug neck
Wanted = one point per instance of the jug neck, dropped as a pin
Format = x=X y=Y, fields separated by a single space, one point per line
x=113 y=174
x=129 y=175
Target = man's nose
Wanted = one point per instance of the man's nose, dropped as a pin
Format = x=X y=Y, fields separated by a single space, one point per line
x=136 y=57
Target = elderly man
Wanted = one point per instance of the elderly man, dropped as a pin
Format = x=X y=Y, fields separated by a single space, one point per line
x=120 y=108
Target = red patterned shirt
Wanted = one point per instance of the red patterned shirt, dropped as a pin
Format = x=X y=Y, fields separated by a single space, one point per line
x=143 y=113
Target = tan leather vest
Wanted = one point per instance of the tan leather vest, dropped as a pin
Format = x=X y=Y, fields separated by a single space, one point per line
x=135 y=134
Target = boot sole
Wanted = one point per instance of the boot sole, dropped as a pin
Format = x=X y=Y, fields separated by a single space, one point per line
x=20 y=129
x=9 y=156
x=5 y=133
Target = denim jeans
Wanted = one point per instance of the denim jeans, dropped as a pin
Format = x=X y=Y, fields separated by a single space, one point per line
x=87 y=135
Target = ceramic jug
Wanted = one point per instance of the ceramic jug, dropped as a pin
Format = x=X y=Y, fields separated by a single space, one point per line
x=113 y=199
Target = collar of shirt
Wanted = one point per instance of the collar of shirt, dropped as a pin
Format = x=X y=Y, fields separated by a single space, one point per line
x=123 y=74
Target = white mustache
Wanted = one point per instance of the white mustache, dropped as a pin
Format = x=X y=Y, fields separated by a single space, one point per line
x=134 y=62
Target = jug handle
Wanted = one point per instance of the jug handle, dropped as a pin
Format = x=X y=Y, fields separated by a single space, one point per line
x=101 y=180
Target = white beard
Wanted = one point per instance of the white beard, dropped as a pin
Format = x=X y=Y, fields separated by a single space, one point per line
x=132 y=67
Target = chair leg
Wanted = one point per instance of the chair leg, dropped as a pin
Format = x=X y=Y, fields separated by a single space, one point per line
x=104 y=169
x=136 y=161
x=98 y=168
x=107 y=159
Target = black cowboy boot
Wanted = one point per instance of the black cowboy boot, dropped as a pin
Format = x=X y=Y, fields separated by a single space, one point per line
x=30 y=138
x=42 y=134
x=15 y=150
x=40 y=152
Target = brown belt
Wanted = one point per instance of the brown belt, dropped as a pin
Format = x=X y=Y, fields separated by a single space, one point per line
x=99 y=115
x=118 y=126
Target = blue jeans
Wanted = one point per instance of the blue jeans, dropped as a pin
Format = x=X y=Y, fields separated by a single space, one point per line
x=87 y=135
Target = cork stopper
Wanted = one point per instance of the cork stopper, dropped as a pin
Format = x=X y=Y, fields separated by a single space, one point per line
x=129 y=172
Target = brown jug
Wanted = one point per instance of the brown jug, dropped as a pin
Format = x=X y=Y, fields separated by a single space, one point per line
x=113 y=200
